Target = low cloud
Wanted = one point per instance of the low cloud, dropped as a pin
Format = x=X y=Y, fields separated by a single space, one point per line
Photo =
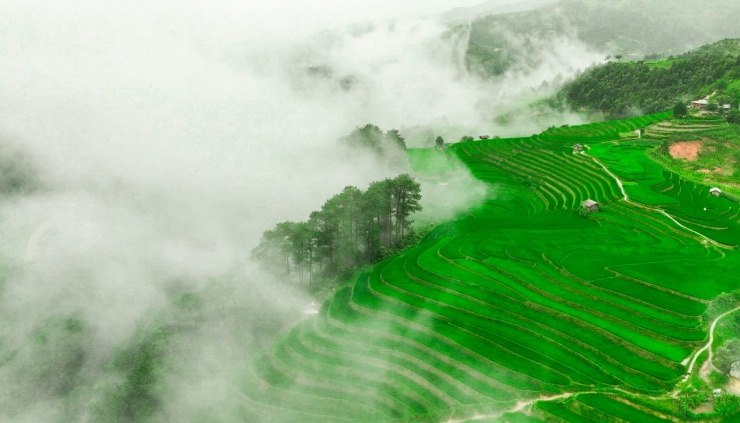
x=154 y=143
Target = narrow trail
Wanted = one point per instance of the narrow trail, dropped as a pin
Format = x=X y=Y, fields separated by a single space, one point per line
x=705 y=239
x=619 y=182
x=708 y=346
x=626 y=198
x=520 y=405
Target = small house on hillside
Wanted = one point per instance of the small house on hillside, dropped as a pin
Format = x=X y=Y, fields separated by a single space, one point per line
x=485 y=137
x=577 y=148
x=717 y=392
x=591 y=205
x=715 y=191
x=699 y=104
x=726 y=107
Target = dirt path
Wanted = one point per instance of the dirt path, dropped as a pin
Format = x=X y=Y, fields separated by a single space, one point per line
x=708 y=346
x=626 y=198
x=621 y=187
x=520 y=405
x=707 y=366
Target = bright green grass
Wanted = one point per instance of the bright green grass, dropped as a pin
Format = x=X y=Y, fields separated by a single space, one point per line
x=661 y=64
x=619 y=409
x=597 y=407
x=432 y=161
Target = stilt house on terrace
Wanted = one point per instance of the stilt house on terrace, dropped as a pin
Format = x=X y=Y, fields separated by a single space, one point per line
x=577 y=148
x=715 y=191
x=699 y=104
x=591 y=205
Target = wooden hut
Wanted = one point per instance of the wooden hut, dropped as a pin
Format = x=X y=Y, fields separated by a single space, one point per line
x=591 y=205
x=715 y=191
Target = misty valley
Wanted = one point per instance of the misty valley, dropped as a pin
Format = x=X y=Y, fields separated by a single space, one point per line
x=372 y=211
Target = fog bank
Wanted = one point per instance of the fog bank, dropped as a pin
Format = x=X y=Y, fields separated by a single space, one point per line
x=153 y=142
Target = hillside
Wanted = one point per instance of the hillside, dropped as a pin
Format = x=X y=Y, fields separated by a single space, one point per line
x=526 y=297
x=628 y=28
x=619 y=89
x=705 y=150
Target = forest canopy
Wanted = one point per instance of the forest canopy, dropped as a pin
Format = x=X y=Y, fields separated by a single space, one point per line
x=353 y=228
x=631 y=88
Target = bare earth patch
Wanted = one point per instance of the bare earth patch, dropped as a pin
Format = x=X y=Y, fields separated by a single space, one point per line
x=688 y=150
x=733 y=386
x=706 y=407
x=707 y=171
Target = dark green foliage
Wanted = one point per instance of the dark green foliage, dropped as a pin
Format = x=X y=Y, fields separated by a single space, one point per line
x=688 y=401
x=352 y=229
x=439 y=142
x=385 y=145
x=733 y=117
x=680 y=109
x=726 y=405
x=621 y=89
x=17 y=174
x=141 y=363
x=59 y=351
x=723 y=303
x=717 y=378
x=466 y=138
x=727 y=354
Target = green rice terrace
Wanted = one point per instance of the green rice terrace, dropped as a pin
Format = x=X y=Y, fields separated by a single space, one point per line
x=528 y=308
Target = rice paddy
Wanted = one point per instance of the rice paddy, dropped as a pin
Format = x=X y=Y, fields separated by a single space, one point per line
x=523 y=296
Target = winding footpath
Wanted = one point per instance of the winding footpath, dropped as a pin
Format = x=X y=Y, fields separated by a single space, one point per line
x=708 y=346
x=626 y=198
x=624 y=193
x=709 y=343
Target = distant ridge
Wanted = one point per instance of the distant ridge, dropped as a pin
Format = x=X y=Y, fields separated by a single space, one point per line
x=492 y=7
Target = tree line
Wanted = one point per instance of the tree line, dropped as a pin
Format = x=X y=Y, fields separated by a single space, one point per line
x=352 y=229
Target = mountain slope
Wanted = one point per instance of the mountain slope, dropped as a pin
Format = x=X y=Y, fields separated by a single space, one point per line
x=629 y=28
x=618 y=89
x=523 y=297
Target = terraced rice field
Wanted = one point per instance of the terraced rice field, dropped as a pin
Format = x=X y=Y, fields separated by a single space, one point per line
x=520 y=298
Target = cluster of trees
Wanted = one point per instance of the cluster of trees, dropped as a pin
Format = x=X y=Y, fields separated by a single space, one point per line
x=733 y=116
x=388 y=145
x=727 y=354
x=621 y=89
x=353 y=228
